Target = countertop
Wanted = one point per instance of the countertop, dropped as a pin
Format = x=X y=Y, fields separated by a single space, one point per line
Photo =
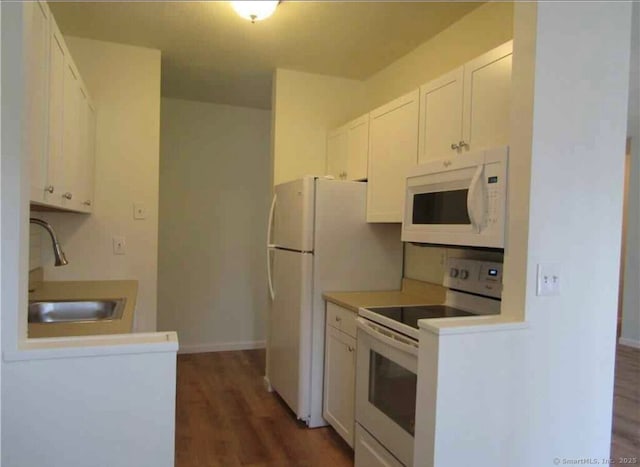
x=85 y=290
x=412 y=293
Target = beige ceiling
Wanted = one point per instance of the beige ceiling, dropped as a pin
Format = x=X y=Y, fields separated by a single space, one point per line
x=211 y=54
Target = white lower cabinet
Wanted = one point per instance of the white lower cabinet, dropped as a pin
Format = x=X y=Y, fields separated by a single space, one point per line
x=340 y=373
x=370 y=453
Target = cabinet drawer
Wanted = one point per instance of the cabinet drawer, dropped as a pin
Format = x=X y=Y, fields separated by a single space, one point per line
x=342 y=319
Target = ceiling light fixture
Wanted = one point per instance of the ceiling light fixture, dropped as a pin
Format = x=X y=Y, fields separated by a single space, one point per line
x=255 y=11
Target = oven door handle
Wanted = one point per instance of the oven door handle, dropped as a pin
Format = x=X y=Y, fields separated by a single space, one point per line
x=402 y=344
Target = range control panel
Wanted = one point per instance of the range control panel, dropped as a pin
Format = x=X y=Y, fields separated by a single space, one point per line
x=479 y=277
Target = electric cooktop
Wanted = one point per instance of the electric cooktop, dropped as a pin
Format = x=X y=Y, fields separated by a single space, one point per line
x=409 y=315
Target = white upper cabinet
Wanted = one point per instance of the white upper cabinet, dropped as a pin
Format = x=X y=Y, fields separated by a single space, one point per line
x=487 y=102
x=441 y=116
x=393 y=150
x=348 y=150
x=61 y=119
x=55 y=162
x=337 y=153
x=358 y=148
x=37 y=71
x=467 y=108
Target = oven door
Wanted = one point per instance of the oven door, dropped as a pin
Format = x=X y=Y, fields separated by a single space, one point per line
x=386 y=382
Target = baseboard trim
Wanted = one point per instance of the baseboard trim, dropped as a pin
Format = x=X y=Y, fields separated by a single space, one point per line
x=221 y=347
x=629 y=342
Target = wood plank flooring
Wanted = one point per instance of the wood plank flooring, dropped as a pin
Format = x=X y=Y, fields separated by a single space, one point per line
x=225 y=417
x=625 y=442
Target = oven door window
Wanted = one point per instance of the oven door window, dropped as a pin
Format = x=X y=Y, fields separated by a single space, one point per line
x=441 y=207
x=392 y=390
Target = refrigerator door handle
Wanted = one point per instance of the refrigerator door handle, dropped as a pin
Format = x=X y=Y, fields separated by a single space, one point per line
x=270 y=246
x=272 y=293
x=270 y=228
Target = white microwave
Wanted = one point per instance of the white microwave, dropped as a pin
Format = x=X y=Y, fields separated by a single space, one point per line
x=459 y=201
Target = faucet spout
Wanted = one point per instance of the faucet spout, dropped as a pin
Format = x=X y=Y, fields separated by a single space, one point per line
x=61 y=259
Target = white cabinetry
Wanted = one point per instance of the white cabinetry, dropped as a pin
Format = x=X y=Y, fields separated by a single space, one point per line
x=339 y=371
x=61 y=119
x=348 y=150
x=337 y=153
x=393 y=150
x=358 y=148
x=440 y=116
x=487 y=103
x=37 y=72
x=467 y=108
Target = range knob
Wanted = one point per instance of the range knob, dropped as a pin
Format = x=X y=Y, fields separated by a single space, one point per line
x=453 y=272
x=464 y=274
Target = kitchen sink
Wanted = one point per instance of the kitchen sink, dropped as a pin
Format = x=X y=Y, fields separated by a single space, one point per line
x=59 y=311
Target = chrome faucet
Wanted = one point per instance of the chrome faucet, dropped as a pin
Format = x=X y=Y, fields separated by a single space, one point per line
x=61 y=259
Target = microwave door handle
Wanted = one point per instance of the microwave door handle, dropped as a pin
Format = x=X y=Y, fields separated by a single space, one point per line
x=472 y=196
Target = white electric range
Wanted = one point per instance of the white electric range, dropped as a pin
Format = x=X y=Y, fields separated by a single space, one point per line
x=387 y=359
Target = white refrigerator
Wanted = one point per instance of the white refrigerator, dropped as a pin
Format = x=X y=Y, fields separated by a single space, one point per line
x=318 y=240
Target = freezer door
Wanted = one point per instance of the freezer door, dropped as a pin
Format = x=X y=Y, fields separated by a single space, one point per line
x=294 y=215
x=289 y=345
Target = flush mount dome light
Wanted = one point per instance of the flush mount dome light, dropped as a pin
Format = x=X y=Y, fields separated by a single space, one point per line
x=255 y=11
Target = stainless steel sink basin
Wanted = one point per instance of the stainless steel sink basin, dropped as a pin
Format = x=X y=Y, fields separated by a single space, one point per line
x=75 y=310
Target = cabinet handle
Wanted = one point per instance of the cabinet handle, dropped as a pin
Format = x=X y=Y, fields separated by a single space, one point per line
x=49 y=189
x=463 y=144
x=87 y=202
x=67 y=195
x=455 y=146
x=351 y=349
x=338 y=319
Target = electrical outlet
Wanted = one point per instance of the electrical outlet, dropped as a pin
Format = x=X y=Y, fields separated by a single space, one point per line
x=119 y=246
x=139 y=211
x=548 y=279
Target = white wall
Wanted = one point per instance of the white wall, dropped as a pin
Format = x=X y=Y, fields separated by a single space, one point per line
x=214 y=204
x=90 y=410
x=578 y=97
x=124 y=82
x=631 y=297
x=305 y=106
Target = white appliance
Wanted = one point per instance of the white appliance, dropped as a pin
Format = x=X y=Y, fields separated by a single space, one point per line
x=318 y=241
x=387 y=360
x=459 y=201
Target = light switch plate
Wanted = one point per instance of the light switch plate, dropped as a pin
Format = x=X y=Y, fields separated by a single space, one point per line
x=119 y=245
x=139 y=211
x=548 y=279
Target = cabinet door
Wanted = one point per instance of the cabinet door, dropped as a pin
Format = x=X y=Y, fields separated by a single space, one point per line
x=339 y=382
x=86 y=163
x=37 y=76
x=358 y=148
x=393 y=150
x=337 y=153
x=487 y=102
x=71 y=138
x=55 y=162
x=440 y=116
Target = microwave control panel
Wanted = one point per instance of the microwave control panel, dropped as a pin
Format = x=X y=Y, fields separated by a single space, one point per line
x=479 y=277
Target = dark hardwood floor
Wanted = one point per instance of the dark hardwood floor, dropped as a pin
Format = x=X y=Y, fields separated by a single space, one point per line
x=225 y=417
x=626 y=405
